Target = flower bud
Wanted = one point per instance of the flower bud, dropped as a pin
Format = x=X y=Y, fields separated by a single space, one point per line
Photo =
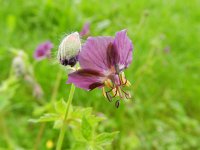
x=69 y=49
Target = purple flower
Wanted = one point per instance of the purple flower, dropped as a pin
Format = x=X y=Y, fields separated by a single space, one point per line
x=43 y=50
x=102 y=60
x=85 y=30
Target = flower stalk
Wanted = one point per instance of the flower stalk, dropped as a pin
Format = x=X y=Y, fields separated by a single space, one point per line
x=63 y=128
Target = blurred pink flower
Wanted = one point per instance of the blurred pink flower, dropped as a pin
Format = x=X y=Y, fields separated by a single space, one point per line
x=43 y=50
x=167 y=49
x=85 y=30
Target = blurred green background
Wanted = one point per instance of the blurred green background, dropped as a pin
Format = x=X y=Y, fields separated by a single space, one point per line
x=165 y=111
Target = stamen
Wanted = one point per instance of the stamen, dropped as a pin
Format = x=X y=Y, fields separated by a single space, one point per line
x=125 y=82
x=109 y=96
x=116 y=88
x=104 y=93
x=108 y=83
x=128 y=83
x=117 y=103
x=127 y=94
x=121 y=78
x=115 y=93
x=119 y=91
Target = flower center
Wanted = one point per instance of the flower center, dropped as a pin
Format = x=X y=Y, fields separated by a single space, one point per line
x=114 y=87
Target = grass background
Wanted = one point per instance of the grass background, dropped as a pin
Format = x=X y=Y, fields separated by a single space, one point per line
x=165 y=112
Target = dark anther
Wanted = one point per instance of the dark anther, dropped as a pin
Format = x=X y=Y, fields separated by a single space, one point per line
x=108 y=96
x=128 y=95
x=117 y=103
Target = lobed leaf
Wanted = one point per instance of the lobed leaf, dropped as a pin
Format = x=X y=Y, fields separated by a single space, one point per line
x=46 y=118
x=105 y=138
x=86 y=129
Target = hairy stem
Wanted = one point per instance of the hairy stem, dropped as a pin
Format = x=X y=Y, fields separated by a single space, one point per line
x=63 y=128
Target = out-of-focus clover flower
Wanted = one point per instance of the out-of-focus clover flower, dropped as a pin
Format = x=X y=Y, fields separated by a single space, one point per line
x=85 y=30
x=18 y=66
x=43 y=50
x=102 y=60
x=69 y=48
x=22 y=69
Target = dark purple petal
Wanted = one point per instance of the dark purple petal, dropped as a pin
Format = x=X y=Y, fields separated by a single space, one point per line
x=112 y=55
x=123 y=45
x=95 y=85
x=93 y=54
x=43 y=50
x=85 y=30
x=86 y=79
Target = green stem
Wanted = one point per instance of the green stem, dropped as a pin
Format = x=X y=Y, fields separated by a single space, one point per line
x=63 y=128
x=56 y=87
x=5 y=132
x=39 y=136
x=53 y=98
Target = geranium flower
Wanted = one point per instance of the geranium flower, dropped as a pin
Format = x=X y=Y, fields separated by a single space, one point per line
x=102 y=60
x=43 y=50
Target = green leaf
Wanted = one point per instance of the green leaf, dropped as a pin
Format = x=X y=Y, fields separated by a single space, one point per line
x=7 y=91
x=77 y=134
x=105 y=138
x=99 y=148
x=80 y=145
x=60 y=106
x=94 y=120
x=58 y=124
x=86 y=129
x=79 y=112
x=39 y=110
x=46 y=118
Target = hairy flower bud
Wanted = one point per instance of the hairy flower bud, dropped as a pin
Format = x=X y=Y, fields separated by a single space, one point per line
x=69 y=49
